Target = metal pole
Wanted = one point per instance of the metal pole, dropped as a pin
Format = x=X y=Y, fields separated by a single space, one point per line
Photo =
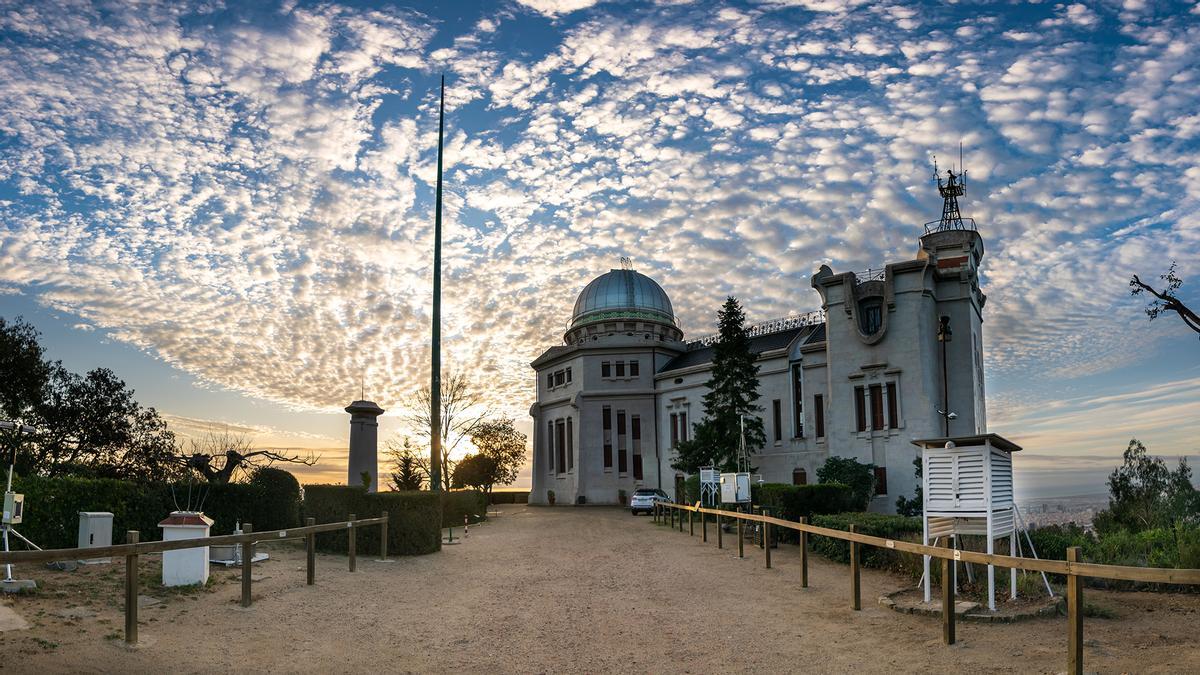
x=247 y=557
x=131 y=590
x=435 y=380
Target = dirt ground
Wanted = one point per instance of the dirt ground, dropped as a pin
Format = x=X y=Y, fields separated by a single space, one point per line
x=562 y=590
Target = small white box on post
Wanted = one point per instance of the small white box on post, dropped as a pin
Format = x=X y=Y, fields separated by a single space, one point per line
x=967 y=488
x=95 y=531
x=187 y=566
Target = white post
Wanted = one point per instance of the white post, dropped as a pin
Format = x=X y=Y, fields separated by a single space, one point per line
x=925 y=541
x=991 y=545
x=1012 y=551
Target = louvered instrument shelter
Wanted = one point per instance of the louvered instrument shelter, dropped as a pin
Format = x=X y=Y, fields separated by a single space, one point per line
x=967 y=487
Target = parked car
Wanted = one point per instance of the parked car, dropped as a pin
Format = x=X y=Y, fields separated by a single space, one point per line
x=643 y=500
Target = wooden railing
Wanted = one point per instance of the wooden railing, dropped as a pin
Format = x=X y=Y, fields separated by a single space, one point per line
x=1073 y=568
x=246 y=540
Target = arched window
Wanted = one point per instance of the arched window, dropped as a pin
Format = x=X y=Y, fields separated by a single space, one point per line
x=870 y=316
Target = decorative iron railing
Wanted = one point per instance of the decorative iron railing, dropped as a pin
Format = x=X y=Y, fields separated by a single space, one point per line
x=870 y=275
x=812 y=318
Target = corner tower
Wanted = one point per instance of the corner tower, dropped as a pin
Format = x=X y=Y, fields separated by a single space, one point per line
x=364 y=443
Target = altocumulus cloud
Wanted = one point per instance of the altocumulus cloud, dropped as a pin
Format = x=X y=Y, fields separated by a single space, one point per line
x=245 y=192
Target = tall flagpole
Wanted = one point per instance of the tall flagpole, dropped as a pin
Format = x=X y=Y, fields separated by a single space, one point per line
x=435 y=384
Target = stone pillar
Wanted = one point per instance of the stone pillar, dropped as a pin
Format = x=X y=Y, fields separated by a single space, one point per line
x=364 y=443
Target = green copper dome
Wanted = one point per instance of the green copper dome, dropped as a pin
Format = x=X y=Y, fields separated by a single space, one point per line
x=622 y=294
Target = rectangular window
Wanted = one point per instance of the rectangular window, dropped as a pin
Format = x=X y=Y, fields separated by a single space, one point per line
x=860 y=410
x=674 y=430
x=607 y=424
x=892 y=406
x=620 y=369
x=622 y=449
x=683 y=427
x=777 y=412
x=880 y=481
x=635 y=432
x=570 y=446
x=561 y=442
x=550 y=445
x=568 y=374
x=605 y=369
x=797 y=401
x=799 y=477
x=633 y=369
x=819 y=414
x=550 y=380
x=558 y=378
x=876 y=406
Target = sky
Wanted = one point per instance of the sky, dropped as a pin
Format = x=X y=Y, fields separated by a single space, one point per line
x=230 y=204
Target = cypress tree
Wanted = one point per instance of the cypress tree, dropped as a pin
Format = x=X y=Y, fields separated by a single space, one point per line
x=733 y=393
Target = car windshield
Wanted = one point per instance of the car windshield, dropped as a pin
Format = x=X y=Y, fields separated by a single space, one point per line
x=645 y=493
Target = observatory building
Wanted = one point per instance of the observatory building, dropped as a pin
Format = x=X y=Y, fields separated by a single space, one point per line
x=893 y=355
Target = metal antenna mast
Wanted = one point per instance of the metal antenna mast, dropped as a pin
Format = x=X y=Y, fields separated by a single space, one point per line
x=951 y=190
x=435 y=384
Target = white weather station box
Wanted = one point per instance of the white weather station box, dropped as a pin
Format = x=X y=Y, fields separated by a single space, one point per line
x=735 y=488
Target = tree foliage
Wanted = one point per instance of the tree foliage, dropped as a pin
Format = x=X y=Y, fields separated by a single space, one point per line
x=463 y=410
x=475 y=471
x=86 y=425
x=406 y=473
x=1166 y=300
x=916 y=505
x=500 y=440
x=1144 y=494
x=732 y=395
x=859 y=477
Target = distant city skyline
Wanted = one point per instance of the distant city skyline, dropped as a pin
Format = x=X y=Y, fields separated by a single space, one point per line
x=226 y=205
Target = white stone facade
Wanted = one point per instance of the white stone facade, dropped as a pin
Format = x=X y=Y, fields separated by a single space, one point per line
x=863 y=381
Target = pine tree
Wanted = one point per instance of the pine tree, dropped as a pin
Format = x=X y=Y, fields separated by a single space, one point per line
x=406 y=473
x=732 y=395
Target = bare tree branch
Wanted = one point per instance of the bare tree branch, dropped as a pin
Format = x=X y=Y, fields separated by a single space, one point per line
x=1166 y=300
x=463 y=411
x=220 y=457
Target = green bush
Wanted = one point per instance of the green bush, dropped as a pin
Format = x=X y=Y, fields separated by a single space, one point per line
x=510 y=497
x=413 y=525
x=792 y=502
x=875 y=524
x=463 y=503
x=849 y=471
x=53 y=505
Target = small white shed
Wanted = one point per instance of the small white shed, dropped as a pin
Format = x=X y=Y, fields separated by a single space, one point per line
x=967 y=486
x=187 y=566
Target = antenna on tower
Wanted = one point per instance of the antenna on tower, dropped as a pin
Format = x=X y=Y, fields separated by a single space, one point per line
x=626 y=263
x=950 y=190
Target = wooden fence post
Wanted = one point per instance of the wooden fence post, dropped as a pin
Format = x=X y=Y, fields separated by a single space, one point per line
x=855 y=585
x=131 y=590
x=720 y=534
x=654 y=512
x=351 y=548
x=741 y=540
x=767 y=546
x=247 y=558
x=383 y=527
x=681 y=520
x=704 y=527
x=803 y=554
x=310 y=543
x=691 y=523
x=1074 y=616
x=948 y=585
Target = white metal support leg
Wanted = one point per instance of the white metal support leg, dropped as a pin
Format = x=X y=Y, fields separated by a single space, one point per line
x=1012 y=572
x=925 y=541
x=991 y=548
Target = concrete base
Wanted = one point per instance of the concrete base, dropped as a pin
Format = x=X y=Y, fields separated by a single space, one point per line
x=19 y=585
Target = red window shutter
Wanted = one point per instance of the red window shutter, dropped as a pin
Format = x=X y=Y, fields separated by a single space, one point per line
x=860 y=411
x=880 y=481
x=876 y=406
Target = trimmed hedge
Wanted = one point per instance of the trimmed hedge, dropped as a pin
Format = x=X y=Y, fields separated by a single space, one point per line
x=413 y=526
x=511 y=497
x=460 y=504
x=792 y=502
x=904 y=528
x=53 y=505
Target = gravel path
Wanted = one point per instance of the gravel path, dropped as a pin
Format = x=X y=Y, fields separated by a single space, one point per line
x=577 y=589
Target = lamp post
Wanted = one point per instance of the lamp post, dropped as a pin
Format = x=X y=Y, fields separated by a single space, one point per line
x=943 y=336
x=435 y=385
